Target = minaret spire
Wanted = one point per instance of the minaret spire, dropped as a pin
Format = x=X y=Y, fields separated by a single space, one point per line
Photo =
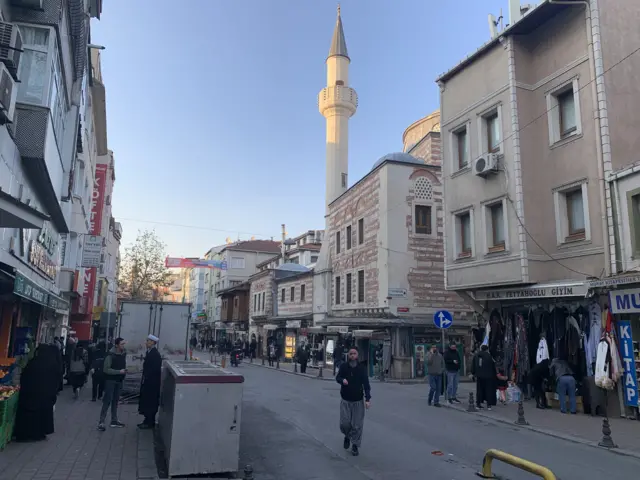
x=338 y=43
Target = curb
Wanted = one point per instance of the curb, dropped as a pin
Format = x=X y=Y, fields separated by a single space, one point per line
x=550 y=433
x=146 y=468
x=306 y=375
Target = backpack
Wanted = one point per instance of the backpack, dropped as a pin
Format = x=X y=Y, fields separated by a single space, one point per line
x=98 y=364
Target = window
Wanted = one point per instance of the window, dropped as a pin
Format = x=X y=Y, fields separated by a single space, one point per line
x=35 y=65
x=572 y=212
x=567 y=112
x=262 y=309
x=423 y=219
x=575 y=215
x=337 y=242
x=293 y=294
x=360 y=286
x=314 y=259
x=496 y=224
x=563 y=112
x=464 y=235
x=282 y=296
x=255 y=302
x=493 y=132
x=337 y=290
x=344 y=180
x=361 y=231
x=633 y=206
x=461 y=148
x=302 y=292
x=348 y=237
x=237 y=262
x=349 y=285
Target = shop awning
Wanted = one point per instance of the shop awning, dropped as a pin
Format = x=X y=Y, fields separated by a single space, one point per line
x=15 y=214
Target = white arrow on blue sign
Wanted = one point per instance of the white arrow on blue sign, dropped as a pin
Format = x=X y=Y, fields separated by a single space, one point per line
x=442 y=319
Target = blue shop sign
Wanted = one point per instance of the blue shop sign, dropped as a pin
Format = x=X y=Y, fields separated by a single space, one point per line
x=625 y=301
x=630 y=380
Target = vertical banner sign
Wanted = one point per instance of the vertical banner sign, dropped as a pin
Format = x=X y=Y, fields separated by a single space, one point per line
x=630 y=383
x=83 y=328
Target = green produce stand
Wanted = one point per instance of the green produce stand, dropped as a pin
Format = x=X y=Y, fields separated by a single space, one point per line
x=8 y=409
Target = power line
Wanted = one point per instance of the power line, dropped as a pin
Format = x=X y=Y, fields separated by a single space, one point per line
x=197 y=227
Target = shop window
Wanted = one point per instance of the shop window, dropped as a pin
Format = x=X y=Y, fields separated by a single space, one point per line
x=348 y=285
x=337 y=294
x=563 y=112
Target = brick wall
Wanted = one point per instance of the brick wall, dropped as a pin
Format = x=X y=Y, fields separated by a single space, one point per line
x=426 y=277
x=362 y=201
x=429 y=149
x=261 y=284
x=298 y=306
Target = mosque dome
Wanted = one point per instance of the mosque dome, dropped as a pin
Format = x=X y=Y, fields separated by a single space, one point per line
x=397 y=157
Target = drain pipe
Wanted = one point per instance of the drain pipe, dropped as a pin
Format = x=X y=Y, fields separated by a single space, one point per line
x=596 y=119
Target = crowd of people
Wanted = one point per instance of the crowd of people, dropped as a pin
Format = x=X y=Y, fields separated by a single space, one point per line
x=50 y=365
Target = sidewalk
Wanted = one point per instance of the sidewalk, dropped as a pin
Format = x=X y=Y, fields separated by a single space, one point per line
x=578 y=428
x=77 y=451
x=312 y=372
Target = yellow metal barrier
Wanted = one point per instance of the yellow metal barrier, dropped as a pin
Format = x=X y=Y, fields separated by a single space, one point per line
x=517 y=462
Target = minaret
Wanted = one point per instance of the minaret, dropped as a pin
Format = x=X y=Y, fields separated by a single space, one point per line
x=337 y=103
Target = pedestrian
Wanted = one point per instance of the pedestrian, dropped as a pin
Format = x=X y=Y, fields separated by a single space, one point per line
x=150 y=386
x=452 y=366
x=253 y=347
x=338 y=354
x=78 y=369
x=355 y=393
x=484 y=370
x=97 y=372
x=565 y=384
x=303 y=358
x=115 y=369
x=272 y=354
x=435 y=369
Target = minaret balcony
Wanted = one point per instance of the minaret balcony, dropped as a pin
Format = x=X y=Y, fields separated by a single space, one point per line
x=338 y=97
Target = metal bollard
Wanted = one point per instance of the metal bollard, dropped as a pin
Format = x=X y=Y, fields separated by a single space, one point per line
x=251 y=358
x=607 y=441
x=248 y=473
x=263 y=360
x=472 y=404
x=521 y=420
x=295 y=367
x=319 y=372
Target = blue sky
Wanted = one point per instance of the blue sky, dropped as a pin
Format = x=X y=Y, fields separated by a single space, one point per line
x=212 y=111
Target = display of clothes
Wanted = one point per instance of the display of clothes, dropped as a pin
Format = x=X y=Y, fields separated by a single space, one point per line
x=543 y=351
x=592 y=336
x=609 y=368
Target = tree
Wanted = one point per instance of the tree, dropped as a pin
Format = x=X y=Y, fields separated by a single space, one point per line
x=143 y=268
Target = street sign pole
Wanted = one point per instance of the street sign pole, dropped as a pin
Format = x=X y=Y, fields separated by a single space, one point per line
x=443 y=319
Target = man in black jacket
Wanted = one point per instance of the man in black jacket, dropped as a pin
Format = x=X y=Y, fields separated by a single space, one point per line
x=356 y=396
x=150 y=387
x=452 y=366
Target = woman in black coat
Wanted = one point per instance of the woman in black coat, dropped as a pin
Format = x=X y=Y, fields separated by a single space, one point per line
x=39 y=382
x=150 y=387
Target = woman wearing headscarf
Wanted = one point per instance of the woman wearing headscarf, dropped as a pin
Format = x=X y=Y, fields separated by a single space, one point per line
x=78 y=369
x=39 y=383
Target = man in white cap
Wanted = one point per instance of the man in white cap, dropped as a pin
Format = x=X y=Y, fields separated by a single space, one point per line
x=150 y=387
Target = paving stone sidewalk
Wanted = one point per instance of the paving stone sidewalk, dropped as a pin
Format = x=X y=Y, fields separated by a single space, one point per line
x=77 y=451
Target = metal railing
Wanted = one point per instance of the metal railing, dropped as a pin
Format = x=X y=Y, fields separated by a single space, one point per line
x=517 y=462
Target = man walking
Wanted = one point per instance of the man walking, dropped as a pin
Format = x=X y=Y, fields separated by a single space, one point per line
x=115 y=369
x=150 y=387
x=484 y=369
x=435 y=369
x=452 y=365
x=356 y=396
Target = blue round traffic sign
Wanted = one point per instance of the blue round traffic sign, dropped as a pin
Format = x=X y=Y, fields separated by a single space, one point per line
x=442 y=319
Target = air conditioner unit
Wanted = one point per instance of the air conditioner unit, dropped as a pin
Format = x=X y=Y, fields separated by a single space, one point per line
x=485 y=164
x=34 y=4
x=318 y=236
x=8 y=93
x=10 y=47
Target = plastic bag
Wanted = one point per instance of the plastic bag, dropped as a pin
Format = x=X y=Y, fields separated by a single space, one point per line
x=513 y=394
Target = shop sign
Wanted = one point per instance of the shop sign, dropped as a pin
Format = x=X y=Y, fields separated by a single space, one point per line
x=294 y=323
x=624 y=301
x=535 y=291
x=630 y=385
x=337 y=329
x=91 y=251
x=611 y=282
x=25 y=288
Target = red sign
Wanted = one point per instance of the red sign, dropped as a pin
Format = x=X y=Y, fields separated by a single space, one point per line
x=83 y=324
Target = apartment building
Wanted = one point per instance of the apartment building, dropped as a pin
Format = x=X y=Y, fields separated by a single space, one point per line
x=538 y=124
x=43 y=70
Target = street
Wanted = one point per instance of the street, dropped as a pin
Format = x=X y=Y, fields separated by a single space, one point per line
x=290 y=431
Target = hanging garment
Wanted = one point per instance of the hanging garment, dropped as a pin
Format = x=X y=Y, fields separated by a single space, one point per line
x=509 y=345
x=603 y=359
x=591 y=344
x=617 y=370
x=522 y=349
x=609 y=320
x=543 y=351
x=573 y=339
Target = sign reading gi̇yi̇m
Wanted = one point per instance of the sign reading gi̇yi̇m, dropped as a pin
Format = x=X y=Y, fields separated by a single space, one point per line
x=535 y=291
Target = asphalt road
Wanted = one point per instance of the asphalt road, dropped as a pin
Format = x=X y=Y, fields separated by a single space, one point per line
x=290 y=432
